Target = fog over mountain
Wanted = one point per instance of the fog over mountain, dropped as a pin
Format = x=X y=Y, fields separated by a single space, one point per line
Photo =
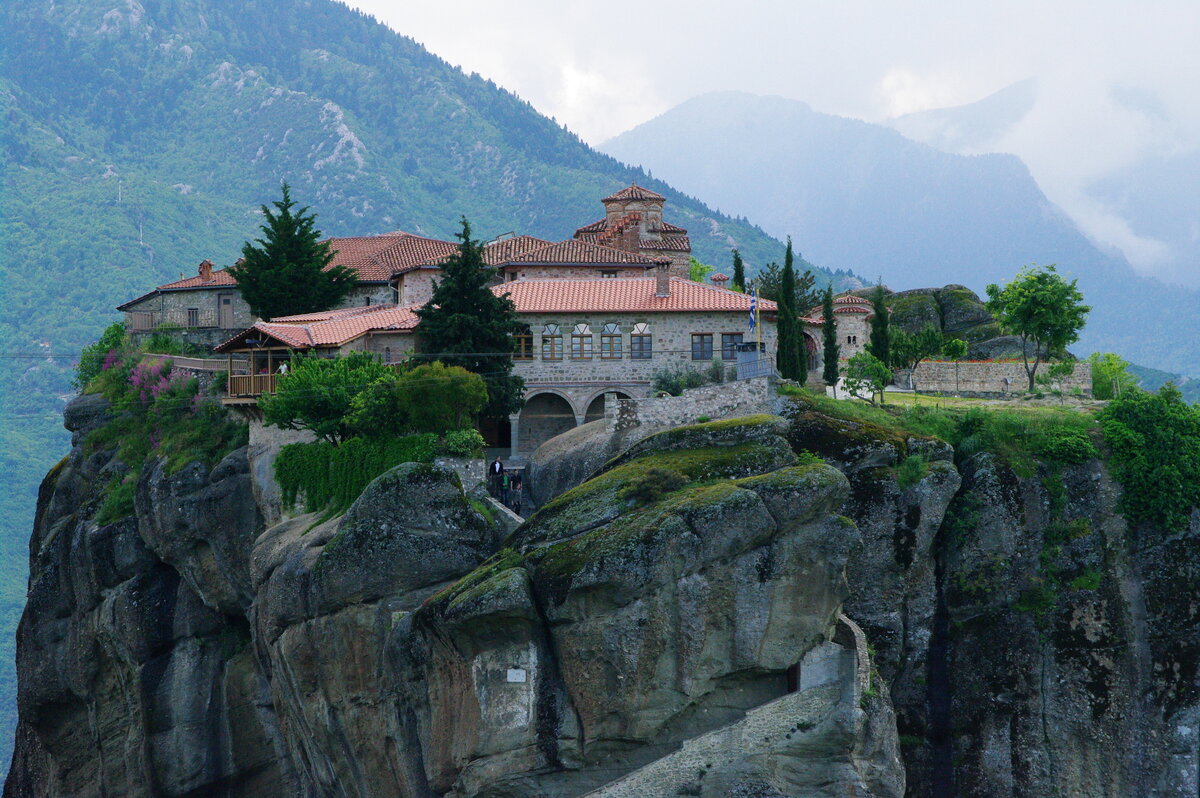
x=861 y=196
x=1097 y=98
x=1147 y=205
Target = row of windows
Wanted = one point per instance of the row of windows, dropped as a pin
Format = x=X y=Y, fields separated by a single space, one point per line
x=641 y=343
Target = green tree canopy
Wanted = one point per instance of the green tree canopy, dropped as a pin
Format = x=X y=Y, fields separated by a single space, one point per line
x=467 y=325
x=739 y=272
x=769 y=283
x=867 y=376
x=1110 y=376
x=909 y=349
x=831 y=353
x=287 y=270
x=431 y=397
x=318 y=394
x=1042 y=308
x=697 y=271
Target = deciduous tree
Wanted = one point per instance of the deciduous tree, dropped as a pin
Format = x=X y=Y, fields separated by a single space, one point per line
x=317 y=394
x=287 y=271
x=956 y=350
x=867 y=376
x=1043 y=309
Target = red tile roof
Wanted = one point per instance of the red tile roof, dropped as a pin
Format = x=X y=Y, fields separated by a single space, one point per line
x=378 y=258
x=629 y=295
x=671 y=244
x=582 y=253
x=665 y=227
x=851 y=299
x=330 y=328
x=633 y=192
x=497 y=252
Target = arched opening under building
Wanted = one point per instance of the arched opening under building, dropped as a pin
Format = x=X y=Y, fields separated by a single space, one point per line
x=544 y=416
x=595 y=409
x=810 y=346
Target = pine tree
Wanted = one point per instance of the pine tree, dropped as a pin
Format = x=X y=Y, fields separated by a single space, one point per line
x=829 y=333
x=739 y=272
x=880 y=343
x=466 y=325
x=287 y=270
x=792 y=355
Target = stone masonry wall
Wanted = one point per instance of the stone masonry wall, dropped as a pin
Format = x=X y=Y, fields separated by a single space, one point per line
x=727 y=400
x=672 y=345
x=987 y=378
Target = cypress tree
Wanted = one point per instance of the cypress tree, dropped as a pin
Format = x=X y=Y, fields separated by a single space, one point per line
x=739 y=272
x=880 y=343
x=466 y=325
x=285 y=272
x=791 y=357
x=829 y=334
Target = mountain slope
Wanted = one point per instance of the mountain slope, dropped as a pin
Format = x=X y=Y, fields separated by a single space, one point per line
x=140 y=137
x=863 y=197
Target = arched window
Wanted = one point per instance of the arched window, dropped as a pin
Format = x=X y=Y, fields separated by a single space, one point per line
x=524 y=344
x=581 y=342
x=641 y=344
x=610 y=342
x=551 y=343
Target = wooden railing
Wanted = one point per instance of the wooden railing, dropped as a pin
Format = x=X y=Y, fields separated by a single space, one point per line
x=251 y=384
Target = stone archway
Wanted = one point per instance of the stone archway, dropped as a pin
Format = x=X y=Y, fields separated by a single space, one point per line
x=595 y=408
x=544 y=416
x=814 y=352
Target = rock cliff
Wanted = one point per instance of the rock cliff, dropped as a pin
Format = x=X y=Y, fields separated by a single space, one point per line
x=756 y=607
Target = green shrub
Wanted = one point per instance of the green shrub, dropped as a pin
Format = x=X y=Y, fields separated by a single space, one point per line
x=463 y=443
x=911 y=470
x=1065 y=445
x=1155 y=443
x=330 y=477
x=652 y=484
x=156 y=413
x=702 y=419
x=92 y=358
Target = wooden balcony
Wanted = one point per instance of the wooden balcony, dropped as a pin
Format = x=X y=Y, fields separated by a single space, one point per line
x=248 y=386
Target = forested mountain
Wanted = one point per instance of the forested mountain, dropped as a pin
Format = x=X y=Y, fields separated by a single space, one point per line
x=863 y=197
x=140 y=137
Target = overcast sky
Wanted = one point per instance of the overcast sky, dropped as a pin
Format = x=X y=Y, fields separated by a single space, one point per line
x=1118 y=80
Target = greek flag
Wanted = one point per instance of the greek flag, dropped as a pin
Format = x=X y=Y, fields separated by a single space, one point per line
x=753 y=308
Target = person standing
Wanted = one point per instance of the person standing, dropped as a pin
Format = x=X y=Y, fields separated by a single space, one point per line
x=494 y=472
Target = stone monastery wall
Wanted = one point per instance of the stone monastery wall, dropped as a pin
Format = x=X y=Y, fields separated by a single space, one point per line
x=987 y=378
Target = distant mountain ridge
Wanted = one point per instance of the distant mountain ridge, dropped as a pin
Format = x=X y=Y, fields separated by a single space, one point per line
x=863 y=197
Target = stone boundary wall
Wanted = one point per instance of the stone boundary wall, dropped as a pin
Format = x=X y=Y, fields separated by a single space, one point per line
x=472 y=471
x=727 y=400
x=987 y=377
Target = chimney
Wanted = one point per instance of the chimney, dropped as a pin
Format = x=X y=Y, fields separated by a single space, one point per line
x=206 y=269
x=662 y=277
x=720 y=280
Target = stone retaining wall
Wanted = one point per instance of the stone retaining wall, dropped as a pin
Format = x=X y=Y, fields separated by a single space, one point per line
x=727 y=400
x=987 y=378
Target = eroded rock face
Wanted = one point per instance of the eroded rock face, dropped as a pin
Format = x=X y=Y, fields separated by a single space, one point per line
x=405 y=649
x=1031 y=643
